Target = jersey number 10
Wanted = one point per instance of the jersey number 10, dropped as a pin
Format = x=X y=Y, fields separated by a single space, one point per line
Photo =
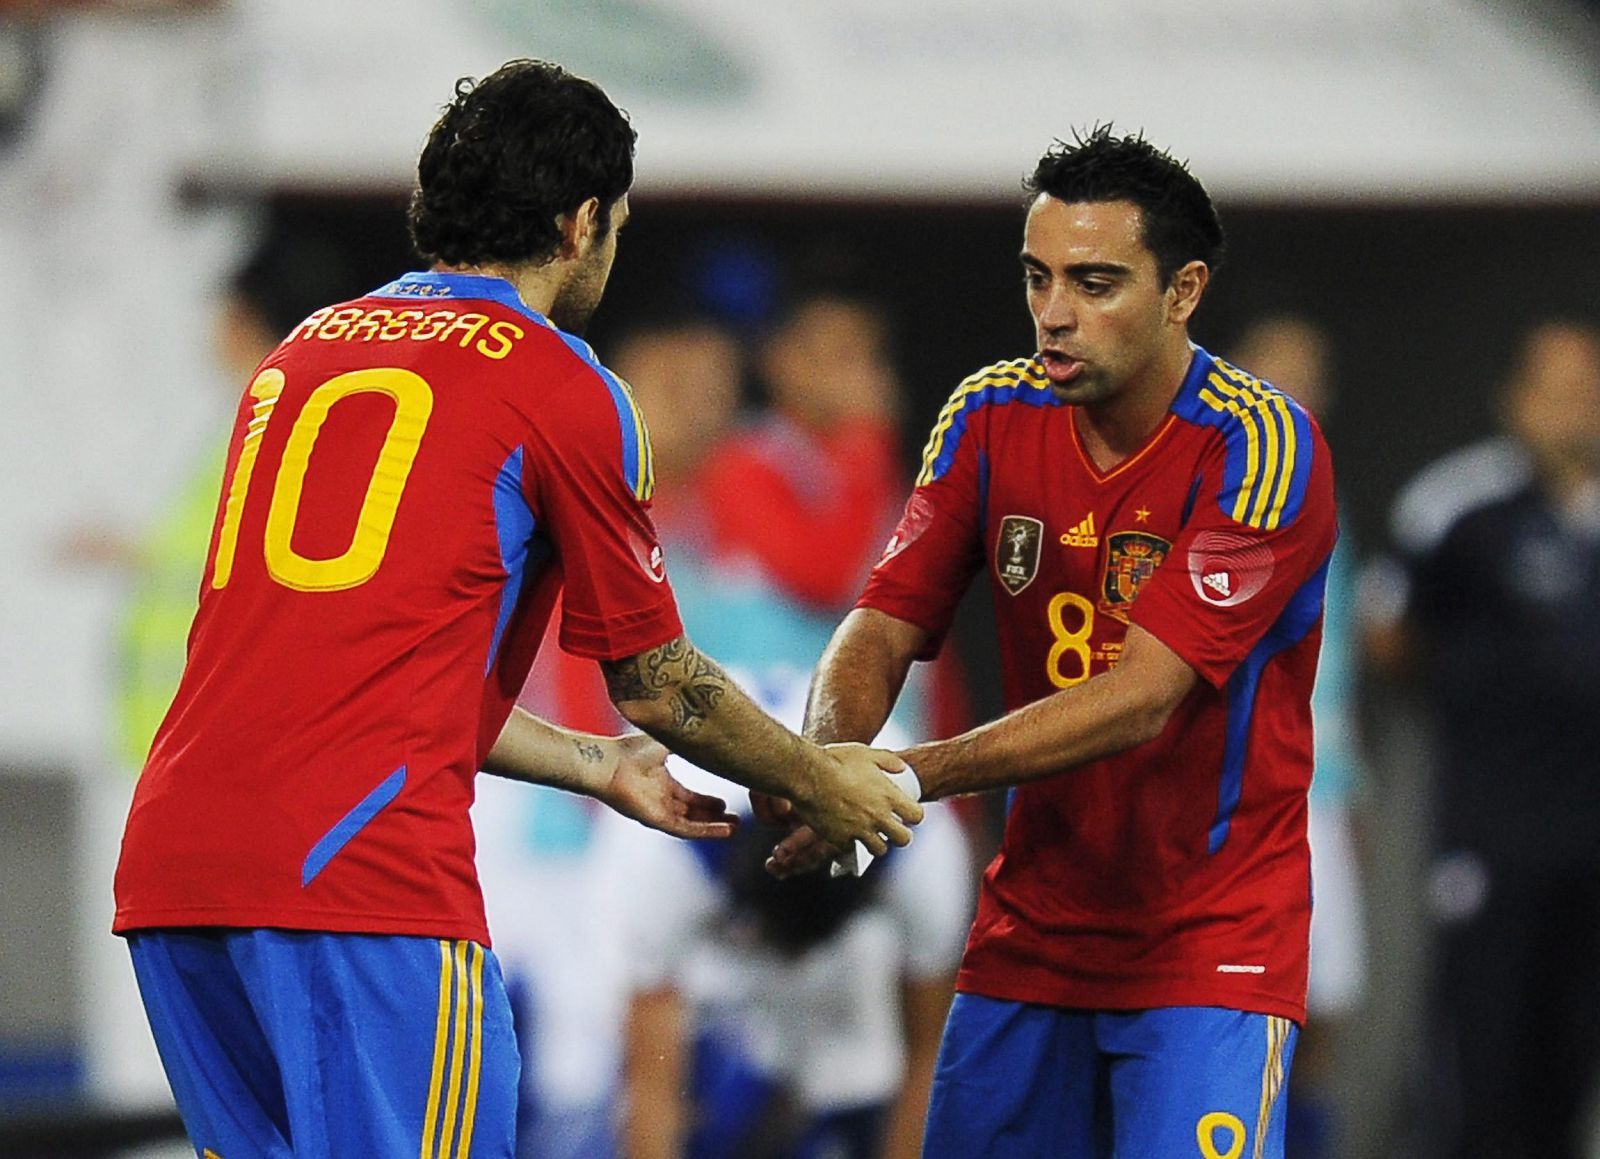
x=413 y=403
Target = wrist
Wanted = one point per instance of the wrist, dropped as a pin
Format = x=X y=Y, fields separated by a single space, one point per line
x=926 y=760
x=594 y=763
x=817 y=772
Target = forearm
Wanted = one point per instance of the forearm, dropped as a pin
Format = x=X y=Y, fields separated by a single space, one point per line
x=540 y=753
x=684 y=699
x=1111 y=713
x=859 y=677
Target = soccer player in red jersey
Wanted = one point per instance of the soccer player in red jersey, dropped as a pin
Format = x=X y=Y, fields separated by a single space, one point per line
x=1156 y=526
x=413 y=478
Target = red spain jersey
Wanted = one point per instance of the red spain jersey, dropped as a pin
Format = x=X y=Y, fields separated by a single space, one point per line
x=413 y=478
x=1176 y=873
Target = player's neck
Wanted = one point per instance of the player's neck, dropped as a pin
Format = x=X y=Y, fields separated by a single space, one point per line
x=1116 y=427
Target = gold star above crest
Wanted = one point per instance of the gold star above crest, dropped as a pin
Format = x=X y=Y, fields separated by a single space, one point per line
x=1142 y=515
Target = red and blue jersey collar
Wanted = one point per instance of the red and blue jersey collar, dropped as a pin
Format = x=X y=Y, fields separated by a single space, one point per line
x=435 y=284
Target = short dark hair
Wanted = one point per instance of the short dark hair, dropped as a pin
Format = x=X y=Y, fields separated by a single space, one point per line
x=1180 y=223
x=511 y=153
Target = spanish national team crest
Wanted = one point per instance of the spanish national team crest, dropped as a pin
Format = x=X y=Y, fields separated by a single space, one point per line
x=1131 y=558
x=1016 y=555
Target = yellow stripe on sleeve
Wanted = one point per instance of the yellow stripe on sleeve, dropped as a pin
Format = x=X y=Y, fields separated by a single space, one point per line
x=1278 y=411
x=644 y=486
x=1253 y=506
x=1252 y=444
x=1272 y=447
x=1286 y=475
x=1015 y=372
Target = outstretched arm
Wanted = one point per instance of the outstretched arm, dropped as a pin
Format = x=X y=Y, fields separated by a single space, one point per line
x=1113 y=712
x=628 y=773
x=1110 y=713
x=683 y=698
x=855 y=687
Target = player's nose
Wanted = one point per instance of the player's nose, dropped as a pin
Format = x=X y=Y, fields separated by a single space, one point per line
x=1057 y=312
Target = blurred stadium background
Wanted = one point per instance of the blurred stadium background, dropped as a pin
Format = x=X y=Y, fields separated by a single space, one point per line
x=1421 y=176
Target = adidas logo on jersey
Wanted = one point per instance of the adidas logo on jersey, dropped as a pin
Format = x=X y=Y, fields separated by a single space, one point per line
x=1218 y=582
x=1083 y=535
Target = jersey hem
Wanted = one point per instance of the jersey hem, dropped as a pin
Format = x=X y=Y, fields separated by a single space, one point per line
x=1132 y=996
x=189 y=917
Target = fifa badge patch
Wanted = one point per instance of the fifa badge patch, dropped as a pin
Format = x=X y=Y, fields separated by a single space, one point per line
x=1016 y=553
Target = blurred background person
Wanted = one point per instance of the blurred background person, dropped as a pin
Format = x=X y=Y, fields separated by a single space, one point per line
x=1501 y=634
x=807 y=489
x=283 y=278
x=1294 y=353
x=786 y=1020
x=773 y=515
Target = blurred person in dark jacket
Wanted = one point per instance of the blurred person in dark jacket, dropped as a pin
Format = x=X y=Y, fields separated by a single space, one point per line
x=1501 y=629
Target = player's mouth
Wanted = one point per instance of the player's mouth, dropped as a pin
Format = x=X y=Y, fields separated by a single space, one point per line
x=1060 y=368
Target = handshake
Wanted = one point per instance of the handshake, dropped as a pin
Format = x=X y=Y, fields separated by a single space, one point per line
x=852 y=818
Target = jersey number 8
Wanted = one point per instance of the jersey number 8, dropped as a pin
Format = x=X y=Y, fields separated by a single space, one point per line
x=413 y=403
x=1069 y=641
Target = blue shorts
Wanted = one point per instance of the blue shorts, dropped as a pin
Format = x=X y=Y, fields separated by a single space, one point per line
x=1019 y=1081
x=281 y=1043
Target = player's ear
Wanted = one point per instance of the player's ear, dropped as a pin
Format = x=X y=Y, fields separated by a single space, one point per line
x=1184 y=291
x=580 y=229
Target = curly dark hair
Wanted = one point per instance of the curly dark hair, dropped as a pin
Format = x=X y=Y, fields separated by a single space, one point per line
x=511 y=153
x=1180 y=223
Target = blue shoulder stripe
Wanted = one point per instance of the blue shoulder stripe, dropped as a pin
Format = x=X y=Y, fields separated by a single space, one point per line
x=1298 y=617
x=638 y=462
x=1268 y=438
x=1015 y=380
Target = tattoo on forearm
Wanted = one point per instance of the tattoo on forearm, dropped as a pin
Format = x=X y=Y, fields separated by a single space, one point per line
x=699 y=693
x=694 y=682
x=589 y=751
x=645 y=676
x=625 y=680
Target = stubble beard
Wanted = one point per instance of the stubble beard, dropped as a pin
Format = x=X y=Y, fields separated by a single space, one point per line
x=1088 y=388
x=578 y=298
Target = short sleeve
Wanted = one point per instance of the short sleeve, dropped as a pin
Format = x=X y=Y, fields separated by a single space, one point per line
x=1252 y=557
x=936 y=548
x=590 y=484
